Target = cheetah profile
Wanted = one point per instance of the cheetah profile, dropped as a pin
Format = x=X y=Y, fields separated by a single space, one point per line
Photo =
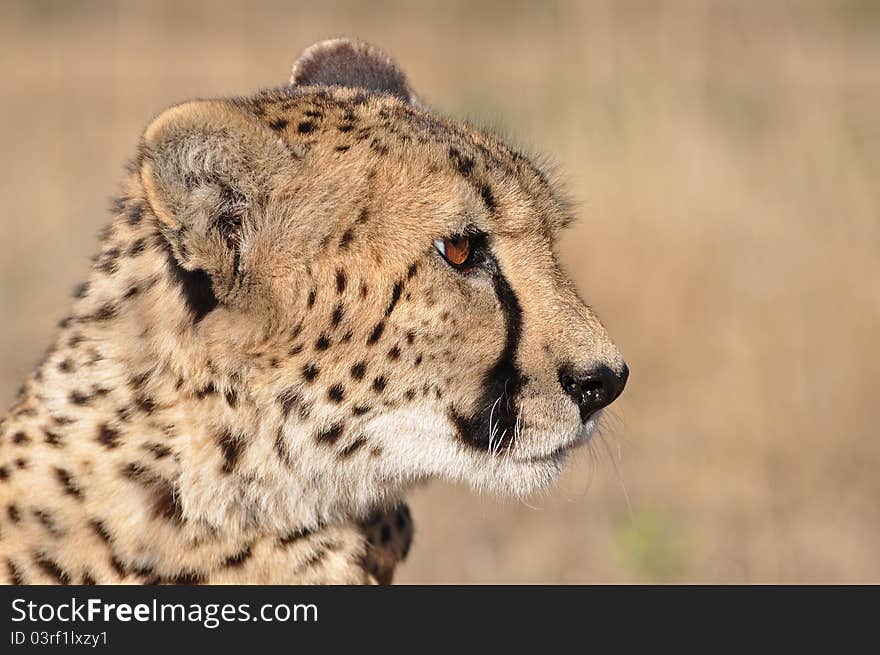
x=308 y=301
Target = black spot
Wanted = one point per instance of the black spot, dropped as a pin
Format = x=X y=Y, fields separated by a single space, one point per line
x=138 y=472
x=289 y=400
x=345 y=127
x=311 y=301
x=68 y=484
x=363 y=216
x=118 y=566
x=412 y=270
x=159 y=451
x=418 y=361
x=195 y=287
x=410 y=337
x=296 y=350
x=144 y=403
x=376 y=334
x=13 y=513
x=4 y=473
x=395 y=297
x=346 y=239
x=394 y=353
x=281 y=448
x=360 y=410
x=52 y=438
x=364 y=290
x=15 y=575
x=305 y=127
x=107 y=436
x=379 y=384
x=278 y=124
x=231 y=446
x=338 y=314
x=231 y=397
x=20 y=438
x=296 y=535
x=310 y=372
x=135 y=214
x=105 y=312
x=336 y=393
x=342 y=148
x=340 y=280
x=330 y=435
x=51 y=568
x=462 y=163
x=137 y=248
x=358 y=370
x=488 y=198
x=48 y=522
x=239 y=558
x=81 y=290
x=353 y=447
x=166 y=503
x=208 y=390
x=101 y=530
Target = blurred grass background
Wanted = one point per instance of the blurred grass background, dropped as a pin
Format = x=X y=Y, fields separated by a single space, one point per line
x=725 y=158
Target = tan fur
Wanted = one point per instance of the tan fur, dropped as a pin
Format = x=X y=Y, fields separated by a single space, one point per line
x=270 y=351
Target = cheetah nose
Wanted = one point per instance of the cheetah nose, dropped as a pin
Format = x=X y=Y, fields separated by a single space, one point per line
x=593 y=390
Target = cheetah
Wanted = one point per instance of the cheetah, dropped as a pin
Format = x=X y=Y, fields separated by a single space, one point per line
x=308 y=301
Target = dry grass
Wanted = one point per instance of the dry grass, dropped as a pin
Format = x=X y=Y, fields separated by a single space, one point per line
x=725 y=156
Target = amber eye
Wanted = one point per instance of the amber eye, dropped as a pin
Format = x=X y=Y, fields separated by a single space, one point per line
x=457 y=251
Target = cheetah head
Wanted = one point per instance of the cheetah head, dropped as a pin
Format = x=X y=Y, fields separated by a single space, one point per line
x=379 y=283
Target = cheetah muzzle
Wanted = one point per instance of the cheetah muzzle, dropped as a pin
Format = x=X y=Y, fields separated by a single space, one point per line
x=308 y=301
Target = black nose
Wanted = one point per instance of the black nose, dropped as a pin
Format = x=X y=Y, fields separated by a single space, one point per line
x=593 y=390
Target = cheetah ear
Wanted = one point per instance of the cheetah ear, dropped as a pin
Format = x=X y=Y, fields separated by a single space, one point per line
x=206 y=168
x=353 y=64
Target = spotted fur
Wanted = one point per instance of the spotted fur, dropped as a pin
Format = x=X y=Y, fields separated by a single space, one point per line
x=270 y=351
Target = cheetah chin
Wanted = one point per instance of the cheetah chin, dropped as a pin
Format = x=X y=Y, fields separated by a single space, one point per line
x=308 y=300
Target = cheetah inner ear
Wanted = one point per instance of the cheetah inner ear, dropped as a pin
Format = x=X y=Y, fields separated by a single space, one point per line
x=353 y=64
x=206 y=168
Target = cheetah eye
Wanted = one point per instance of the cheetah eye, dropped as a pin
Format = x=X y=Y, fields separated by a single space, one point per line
x=457 y=251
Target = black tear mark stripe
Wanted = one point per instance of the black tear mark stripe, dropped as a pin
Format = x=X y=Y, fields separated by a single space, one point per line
x=195 y=287
x=501 y=383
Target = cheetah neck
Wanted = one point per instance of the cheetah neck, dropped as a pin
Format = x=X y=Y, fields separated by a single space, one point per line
x=130 y=391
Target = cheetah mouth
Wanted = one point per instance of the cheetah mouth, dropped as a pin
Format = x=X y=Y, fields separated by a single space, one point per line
x=561 y=452
x=553 y=456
